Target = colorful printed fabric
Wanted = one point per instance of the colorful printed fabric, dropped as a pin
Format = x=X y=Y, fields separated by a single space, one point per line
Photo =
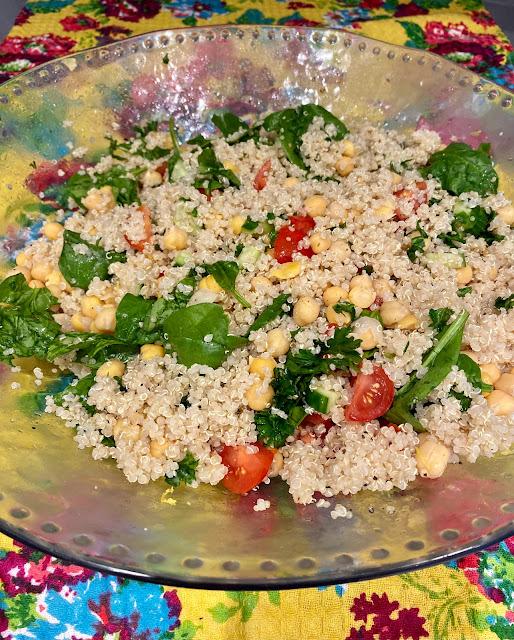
x=43 y=598
x=460 y=30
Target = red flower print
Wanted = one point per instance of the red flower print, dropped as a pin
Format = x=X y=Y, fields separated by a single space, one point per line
x=371 y=4
x=22 y=18
x=406 y=625
x=80 y=22
x=409 y=9
x=34 y=49
x=294 y=6
x=483 y=18
x=110 y=624
x=439 y=33
x=29 y=571
x=131 y=10
x=174 y=606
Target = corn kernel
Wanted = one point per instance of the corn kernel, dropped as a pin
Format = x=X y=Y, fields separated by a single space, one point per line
x=236 y=224
x=286 y=271
x=263 y=367
x=210 y=284
x=150 y=351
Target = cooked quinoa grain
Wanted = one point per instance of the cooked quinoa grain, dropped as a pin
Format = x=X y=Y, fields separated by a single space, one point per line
x=233 y=309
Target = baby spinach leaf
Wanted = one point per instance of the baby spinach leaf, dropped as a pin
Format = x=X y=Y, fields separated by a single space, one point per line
x=465 y=401
x=124 y=186
x=271 y=312
x=81 y=390
x=199 y=335
x=291 y=124
x=212 y=174
x=225 y=273
x=417 y=244
x=27 y=327
x=250 y=225
x=439 y=318
x=473 y=373
x=438 y=362
x=367 y=313
x=232 y=127
x=460 y=168
x=186 y=472
x=91 y=348
x=505 y=303
x=175 y=162
x=81 y=261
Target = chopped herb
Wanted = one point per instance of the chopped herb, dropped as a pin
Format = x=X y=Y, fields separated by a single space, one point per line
x=232 y=127
x=212 y=174
x=505 y=303
x=473 y=373
x=375 y=314
x=439 y=318
x=465 y=402
x=417 y=244
x=367 y=269
x=175 y=164
x=124 y=187
x=239 y=247
x=345 y=307
x=108 y=441
x=466 y=222
x=464 y=291
x=165 y=59
x=186 y=472
x=81 y=261
x=250 y=225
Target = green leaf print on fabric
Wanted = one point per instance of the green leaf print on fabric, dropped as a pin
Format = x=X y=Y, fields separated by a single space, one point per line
x=415 y=35
x=186 y=631
x=246 y=601
x=21 y=611
x=497 y=572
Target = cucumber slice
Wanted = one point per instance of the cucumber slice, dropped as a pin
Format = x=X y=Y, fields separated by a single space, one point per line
x=249 y=255
x=322 y=400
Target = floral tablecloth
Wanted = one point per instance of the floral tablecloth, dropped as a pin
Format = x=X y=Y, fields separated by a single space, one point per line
x=44 y=599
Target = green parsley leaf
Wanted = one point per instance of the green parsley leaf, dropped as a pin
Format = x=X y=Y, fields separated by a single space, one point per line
x=186 y=472
x=505 y=303
x=464 y=291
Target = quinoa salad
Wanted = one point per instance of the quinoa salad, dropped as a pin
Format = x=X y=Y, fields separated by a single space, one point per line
x=301 y=297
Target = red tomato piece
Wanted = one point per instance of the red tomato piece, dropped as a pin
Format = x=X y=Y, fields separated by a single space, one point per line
x=288 y=238
x=245 y=470
x=261 y=178
x=147 y=221
x=373 y=394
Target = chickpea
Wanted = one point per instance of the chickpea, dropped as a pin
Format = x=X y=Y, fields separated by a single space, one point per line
x=490 y=373
x=52 y=230
x=290 y=182
x=340 y=250
x=505 y=383
x=41 y=271
x=344 y=166
x=464 y=275
x=158 y=448
x=337 y=211
x=306 y=311
x=432 y=457
x=333 y=295
x=126 y=430
x=409 y=322
x=150 y=351
x=382 y=287
x=236 y=224
x=101 y=200
x=175 y=239
x=276 y=465
x=277 y=342
x=152 y=178
x=315 y=206
x=209 y=283
x=385 y=211
x=319 y=244
x=369 y=331
x=342 y=319
x=22 y=259
x=348 y=149
x=260 y=282
x=90 y=305
x=500 y=403
x=111 y=369
x=259 y=396
x=392 y=312
x=105 y=320
x=263 y=367
x=362 y=297
x=80 y=323
x=395 y=177
x=362 y=280
x=506 y=213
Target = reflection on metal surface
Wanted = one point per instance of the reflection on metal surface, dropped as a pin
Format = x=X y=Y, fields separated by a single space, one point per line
x=54 y=495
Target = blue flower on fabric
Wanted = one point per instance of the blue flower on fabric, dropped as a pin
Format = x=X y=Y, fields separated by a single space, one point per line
x=199 y=10
x=340 y=589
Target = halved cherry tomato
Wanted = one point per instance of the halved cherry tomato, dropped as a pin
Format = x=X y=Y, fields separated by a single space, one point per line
x=162 y=168
x=245 y=470
x=147 y=221
x=288 y=238
x=373 y=394
x=261 y=178
x=417 y=199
